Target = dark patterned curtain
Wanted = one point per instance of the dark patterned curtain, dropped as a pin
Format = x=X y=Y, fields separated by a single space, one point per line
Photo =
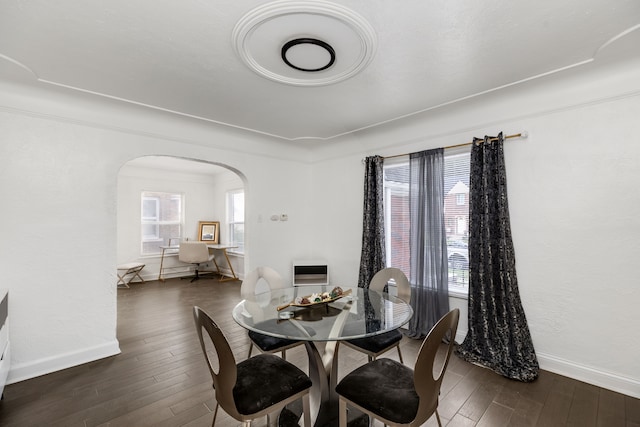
x=428 y=242
x=372 y=258
x=498 y=336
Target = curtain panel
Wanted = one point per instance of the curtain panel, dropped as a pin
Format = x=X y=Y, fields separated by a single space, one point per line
x=372 y=258
x=498 y=336
x=428 y=241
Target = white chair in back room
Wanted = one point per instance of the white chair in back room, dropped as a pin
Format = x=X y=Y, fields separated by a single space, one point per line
x=195 y=253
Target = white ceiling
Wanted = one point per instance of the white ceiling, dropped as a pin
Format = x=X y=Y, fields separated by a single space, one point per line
x=415 y=55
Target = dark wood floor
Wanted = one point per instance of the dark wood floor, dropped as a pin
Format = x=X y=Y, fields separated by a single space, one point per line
x=160 y=378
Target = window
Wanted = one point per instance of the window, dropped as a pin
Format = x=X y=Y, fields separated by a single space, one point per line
x=235 y=219
x=150 y=218
x=161 y=219
x=456 y=212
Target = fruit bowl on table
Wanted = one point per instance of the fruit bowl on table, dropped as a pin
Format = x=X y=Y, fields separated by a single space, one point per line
x=318 y=298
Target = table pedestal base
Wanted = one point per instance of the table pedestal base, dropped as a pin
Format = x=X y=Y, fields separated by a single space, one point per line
x=323 y=371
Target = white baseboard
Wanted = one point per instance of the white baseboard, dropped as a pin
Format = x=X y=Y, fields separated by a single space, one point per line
x=169 y=274
x=183 y=273
x=587 y=374
x=608 y=380
x=25 y=371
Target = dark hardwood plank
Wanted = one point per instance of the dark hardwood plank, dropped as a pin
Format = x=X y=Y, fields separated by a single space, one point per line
x=456 y=398
x=556 y=408
x=525 y=413
x=632 y=410
x=458 y=421
x=476 y=405
x=161 y=379
x=495 y=416
x=611 y=409
x=584 y=407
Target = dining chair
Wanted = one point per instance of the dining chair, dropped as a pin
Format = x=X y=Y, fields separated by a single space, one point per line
x=261 y=280
x=261 y=385
x=195 y=253
x=375 y=345
x=396 y=394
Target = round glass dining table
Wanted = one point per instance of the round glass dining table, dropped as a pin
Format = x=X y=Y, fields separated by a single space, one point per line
x=356 y=313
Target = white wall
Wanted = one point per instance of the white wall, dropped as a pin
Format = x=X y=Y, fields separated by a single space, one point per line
x=225 y=182
x=58 y=183
x=574 y=203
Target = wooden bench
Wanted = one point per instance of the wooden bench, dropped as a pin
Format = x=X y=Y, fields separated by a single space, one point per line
x=130 y=269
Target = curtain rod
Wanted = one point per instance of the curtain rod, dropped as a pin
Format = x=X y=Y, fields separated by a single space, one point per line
x=516 y=135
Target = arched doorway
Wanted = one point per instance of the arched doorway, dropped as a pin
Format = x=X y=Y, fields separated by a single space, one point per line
x=193 y=191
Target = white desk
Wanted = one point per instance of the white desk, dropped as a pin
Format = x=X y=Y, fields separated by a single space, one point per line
x=173 y=249
x=166 y=250
x=223 y=249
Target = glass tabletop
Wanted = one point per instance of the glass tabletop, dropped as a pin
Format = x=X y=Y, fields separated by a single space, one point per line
x=357 y=314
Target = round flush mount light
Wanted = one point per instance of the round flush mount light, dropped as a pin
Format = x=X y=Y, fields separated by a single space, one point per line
x=316 y=55
x=304 y=43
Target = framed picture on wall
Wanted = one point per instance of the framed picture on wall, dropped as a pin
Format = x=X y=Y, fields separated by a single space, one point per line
x=209 y=231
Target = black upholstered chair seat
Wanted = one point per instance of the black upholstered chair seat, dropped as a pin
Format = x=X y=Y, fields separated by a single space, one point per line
x=264 y=380
x=271 y=344
x=383 y=386
x=259 y=386
x=268 y=344
x=395 y=394
x=378 y=343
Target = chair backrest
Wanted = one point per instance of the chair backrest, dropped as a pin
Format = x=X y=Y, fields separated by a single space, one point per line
x=193 y=252
x=224 y=377
x=250 y=287
x=382 y=277
x=428 y=382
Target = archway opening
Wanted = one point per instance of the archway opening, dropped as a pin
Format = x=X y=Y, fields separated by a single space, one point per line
x=163 y=200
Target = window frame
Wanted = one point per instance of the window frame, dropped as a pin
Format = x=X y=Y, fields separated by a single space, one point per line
x=458 y=284
x=232 y=222
x=145 y=220
x=158 y=222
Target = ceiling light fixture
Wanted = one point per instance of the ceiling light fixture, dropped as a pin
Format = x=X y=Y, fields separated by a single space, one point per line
x=304 y=52
x=304 y=42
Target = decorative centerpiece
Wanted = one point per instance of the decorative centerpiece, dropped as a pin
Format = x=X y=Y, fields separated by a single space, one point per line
x=317 y=298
